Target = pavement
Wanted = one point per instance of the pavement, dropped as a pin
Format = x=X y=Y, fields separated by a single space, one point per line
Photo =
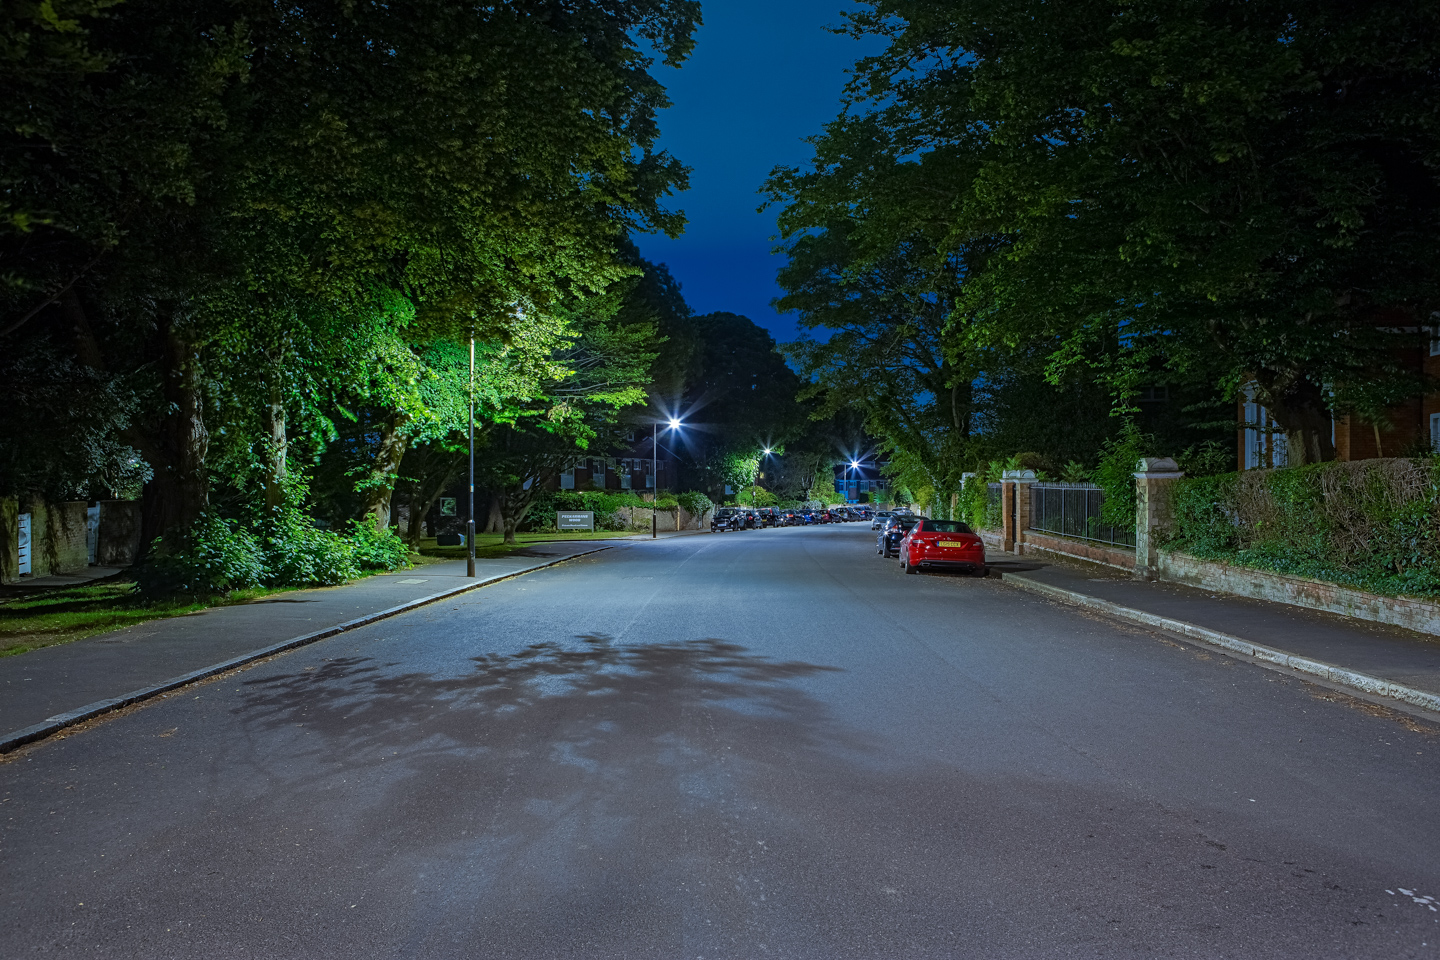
x=1359 y=648
x=74 y=681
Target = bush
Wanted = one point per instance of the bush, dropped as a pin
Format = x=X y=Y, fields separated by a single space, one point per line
x=378 y=550
x=974 y=504
x=1372 y=524
x=298 y=554
x=221 y=556
x=217 y=557
x=1115 y=473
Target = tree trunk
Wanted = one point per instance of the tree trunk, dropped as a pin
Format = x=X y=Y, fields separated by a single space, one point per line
x=179 y=491
x=1299 y=408
x=514 y=505
x=495 y=519
x=380 y=484
x=276 y=448
x=425 y=491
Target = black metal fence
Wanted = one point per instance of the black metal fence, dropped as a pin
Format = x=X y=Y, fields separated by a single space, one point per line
x=993 y=508
x=1073 y=510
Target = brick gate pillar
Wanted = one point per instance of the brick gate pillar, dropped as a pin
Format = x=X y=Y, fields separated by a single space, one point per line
x=1015 y=507
x=1154 y=480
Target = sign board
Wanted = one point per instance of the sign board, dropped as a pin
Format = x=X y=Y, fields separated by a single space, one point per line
x=24 y=543
x=447 y=506
x=575 y=520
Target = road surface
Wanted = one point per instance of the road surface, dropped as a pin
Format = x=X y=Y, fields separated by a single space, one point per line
x=763 y=744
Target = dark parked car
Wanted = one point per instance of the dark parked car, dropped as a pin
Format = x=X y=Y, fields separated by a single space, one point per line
x=878 y=521
x=943 y=544
x=895 y=528
x=727 y=518
x=770 y=517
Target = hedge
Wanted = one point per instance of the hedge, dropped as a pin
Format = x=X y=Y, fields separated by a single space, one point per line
x=1371 y=524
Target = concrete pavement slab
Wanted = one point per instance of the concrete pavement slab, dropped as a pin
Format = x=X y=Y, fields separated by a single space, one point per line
x=1377 y=650
x=58 y=680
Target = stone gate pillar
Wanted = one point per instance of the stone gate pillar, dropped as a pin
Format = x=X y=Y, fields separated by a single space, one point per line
x=1154 y=480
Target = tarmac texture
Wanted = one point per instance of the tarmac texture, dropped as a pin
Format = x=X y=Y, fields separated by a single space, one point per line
x=768 y=744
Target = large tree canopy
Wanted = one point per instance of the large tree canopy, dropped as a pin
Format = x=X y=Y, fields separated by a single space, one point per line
x=237 y=214
x=1221 y=192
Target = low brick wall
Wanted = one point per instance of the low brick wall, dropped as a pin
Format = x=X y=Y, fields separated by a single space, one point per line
x=1419 y=615
x=1122 y=558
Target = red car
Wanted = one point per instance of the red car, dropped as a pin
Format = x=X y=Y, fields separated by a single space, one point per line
x=942 y=544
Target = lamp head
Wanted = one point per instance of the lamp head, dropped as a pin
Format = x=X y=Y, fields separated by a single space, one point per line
x=855 y=464
x=767 y=451
x=674 y=423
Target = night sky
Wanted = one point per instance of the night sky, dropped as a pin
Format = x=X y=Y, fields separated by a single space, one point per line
x=763 y=76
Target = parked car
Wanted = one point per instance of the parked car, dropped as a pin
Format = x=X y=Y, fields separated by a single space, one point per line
x=942 y=544
x=769 y=517
x=878 y=520
x=727 y=518
x=894 y=529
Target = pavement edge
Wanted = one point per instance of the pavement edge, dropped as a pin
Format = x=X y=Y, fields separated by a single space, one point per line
x=53 y=725
x=1340 y=676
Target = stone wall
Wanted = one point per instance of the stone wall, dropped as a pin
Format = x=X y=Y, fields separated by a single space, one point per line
x=1420 y=615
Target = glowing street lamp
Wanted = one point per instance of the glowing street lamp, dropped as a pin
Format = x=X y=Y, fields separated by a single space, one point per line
x=655 y=472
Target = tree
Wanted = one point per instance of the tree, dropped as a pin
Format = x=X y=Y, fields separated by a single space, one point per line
x=171 y=166
x=1236 y=192
x=739 y=401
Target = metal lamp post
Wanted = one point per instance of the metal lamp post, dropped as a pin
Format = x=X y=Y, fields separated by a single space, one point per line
x=470 y=527
x=655 y=472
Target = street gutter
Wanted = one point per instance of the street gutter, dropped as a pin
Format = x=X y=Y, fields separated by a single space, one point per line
x=1265 y=656
x=49 y=727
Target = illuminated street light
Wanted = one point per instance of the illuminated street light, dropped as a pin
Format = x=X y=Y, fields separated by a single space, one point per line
x=655 y=474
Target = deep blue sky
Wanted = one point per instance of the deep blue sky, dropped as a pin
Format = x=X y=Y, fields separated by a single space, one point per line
x=763 y=75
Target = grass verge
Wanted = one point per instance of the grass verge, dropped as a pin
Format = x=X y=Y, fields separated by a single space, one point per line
x=491 y=545
x=61 y=615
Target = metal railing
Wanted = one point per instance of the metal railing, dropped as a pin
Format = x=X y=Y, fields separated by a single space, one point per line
x=1073 y=510
x=993 y=506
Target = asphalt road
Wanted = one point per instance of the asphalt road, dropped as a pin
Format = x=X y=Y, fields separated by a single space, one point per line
x=768 y=744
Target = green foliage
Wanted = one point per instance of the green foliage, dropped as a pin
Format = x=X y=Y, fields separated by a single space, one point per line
x=377 y=550
x=1207 y=459
x=974 y=506
x=695 y=502
x=1115 y=474
x=296 y=553
x=287 y=550
x=605 y=504
x=756 y=496
x=218 y=557
x=1372 y=524
x=1173 y=192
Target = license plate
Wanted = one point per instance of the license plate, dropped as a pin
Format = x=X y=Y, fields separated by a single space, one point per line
x=953 y=543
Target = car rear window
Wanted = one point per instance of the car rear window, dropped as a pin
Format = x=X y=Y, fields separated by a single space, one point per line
x=944 y=526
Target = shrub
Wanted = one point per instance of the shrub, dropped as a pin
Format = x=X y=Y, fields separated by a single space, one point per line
x=1115 y=473
x=298 y=554
x=1373 y=524
x=217 y=557
x=975 y=507
x=378 y=550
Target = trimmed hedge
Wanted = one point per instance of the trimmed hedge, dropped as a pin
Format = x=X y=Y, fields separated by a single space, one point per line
x=1371 y=524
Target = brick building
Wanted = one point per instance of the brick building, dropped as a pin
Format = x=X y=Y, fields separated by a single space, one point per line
x=1412 y=424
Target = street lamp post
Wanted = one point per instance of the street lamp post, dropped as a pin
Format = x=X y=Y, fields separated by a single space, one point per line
x=655 y=474
x=470 y=527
